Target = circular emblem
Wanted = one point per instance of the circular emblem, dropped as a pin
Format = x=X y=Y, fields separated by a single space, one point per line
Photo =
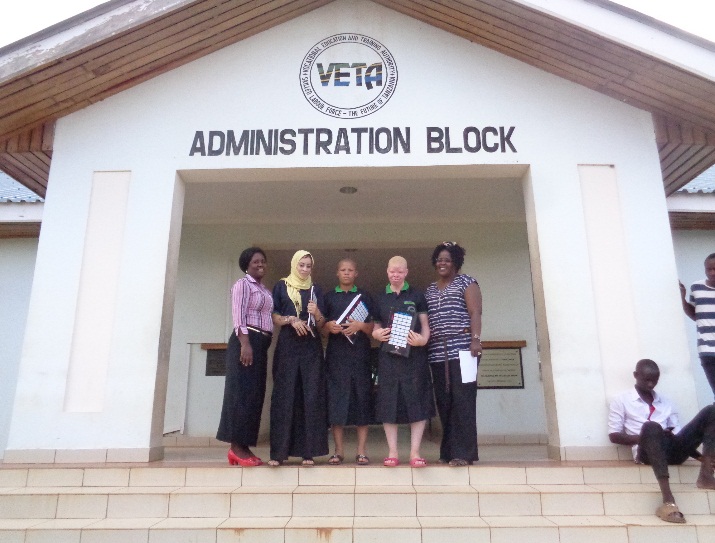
x=348 y=76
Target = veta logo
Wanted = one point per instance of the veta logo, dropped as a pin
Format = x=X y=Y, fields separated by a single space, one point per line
x=348 y=76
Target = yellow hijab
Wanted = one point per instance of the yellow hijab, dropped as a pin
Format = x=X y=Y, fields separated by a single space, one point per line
x=294 y=282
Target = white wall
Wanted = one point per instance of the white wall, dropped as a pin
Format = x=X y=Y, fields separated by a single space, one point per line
x=17 y=263
x=691 y=248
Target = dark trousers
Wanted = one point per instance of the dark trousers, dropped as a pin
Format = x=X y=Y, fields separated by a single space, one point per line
x=659 y=448
x=299 y=414
x=457 y=410
x=708 y=364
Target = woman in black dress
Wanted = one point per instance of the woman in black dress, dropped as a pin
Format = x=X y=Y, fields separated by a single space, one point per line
x=299 y=425
x=246 y=360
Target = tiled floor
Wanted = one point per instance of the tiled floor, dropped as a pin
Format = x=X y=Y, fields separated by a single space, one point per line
x=513 y=494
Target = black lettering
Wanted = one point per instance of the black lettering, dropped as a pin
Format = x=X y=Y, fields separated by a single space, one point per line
x=489 y=130
x=235 y=148
x=471 y=130
x=397 y=137
x=342 y=143
x=287 y=142
x=359 y=132
x=305 y=132
x=263 y=142
x=435 y=135
x=382 y=149
x=321 y=143
x=198 y=145
x=505 y=139
x=371 y=141
x=215 y=150
x=447 y=143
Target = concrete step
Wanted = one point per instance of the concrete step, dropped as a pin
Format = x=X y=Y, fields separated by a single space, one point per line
x=552 y=503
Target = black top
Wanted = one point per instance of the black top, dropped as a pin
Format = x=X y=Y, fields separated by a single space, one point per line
x=337 y=300
x=283 y=305
x=389 y=302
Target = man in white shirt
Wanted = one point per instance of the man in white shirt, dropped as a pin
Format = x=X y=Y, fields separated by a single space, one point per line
x=649 y=423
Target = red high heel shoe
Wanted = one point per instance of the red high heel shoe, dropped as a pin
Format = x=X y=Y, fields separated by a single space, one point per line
x=250 y=462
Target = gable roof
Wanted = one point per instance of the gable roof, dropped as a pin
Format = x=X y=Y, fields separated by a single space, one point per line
x=125 y=42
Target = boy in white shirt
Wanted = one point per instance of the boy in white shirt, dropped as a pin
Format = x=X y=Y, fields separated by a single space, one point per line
x=649 y=423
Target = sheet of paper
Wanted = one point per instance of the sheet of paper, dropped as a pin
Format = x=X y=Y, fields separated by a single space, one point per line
x=468 y=365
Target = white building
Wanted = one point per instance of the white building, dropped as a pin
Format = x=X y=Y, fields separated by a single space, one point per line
x=543 y=135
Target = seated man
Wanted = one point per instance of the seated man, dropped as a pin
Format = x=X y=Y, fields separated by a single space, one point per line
x=649 y=422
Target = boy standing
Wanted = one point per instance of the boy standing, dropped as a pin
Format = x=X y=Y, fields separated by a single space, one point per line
x=701 y=309
x=348 y=361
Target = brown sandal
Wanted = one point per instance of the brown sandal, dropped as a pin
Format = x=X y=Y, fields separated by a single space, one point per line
x=362 y=460
x=335 y=460
x=669 y=512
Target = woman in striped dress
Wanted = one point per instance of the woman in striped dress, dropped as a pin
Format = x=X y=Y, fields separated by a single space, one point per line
x=454 y=304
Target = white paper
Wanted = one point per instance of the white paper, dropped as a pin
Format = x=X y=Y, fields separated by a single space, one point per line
x=468 y=365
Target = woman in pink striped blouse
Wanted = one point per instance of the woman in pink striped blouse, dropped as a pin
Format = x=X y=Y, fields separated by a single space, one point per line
x=246 y=360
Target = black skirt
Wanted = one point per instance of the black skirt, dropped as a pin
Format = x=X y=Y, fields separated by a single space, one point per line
x=244 y=391
x=349 y=381
x=404 y=394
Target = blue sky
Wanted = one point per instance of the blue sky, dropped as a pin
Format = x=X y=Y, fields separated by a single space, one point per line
x=24 y=17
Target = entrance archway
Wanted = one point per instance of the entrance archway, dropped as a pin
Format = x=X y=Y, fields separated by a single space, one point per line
x=405 y=210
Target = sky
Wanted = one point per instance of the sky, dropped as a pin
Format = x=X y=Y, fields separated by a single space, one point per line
x=24 y=17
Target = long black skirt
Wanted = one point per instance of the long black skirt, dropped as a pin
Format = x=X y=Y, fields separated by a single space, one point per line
x=299 y=420
x=244 y=391
x=349 y=383
x=457 y=410
x=404 y=392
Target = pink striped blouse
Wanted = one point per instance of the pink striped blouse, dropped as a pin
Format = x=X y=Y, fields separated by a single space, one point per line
x=252 y=305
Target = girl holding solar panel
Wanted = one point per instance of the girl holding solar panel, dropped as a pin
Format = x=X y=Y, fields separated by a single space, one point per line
x=405 y=386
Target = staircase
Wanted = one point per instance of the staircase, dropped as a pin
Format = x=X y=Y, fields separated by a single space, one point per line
x=487 y=503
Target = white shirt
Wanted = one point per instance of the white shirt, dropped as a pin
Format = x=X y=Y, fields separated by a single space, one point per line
x=628 y=413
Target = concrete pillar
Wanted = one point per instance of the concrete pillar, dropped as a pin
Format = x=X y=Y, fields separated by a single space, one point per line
x=605 y=292
x=92 y=379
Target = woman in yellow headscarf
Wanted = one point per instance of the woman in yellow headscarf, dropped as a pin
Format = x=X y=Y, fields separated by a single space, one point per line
x=299 y=422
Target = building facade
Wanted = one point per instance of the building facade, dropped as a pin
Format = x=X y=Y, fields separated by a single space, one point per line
x=555 y=189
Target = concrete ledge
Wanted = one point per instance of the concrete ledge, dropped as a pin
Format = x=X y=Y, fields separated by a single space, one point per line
x=587 y=454
x=81 y=456
x=29 y=456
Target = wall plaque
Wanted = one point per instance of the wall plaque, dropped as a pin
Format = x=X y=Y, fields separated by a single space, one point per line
x=500 y=368
x=215 y=362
